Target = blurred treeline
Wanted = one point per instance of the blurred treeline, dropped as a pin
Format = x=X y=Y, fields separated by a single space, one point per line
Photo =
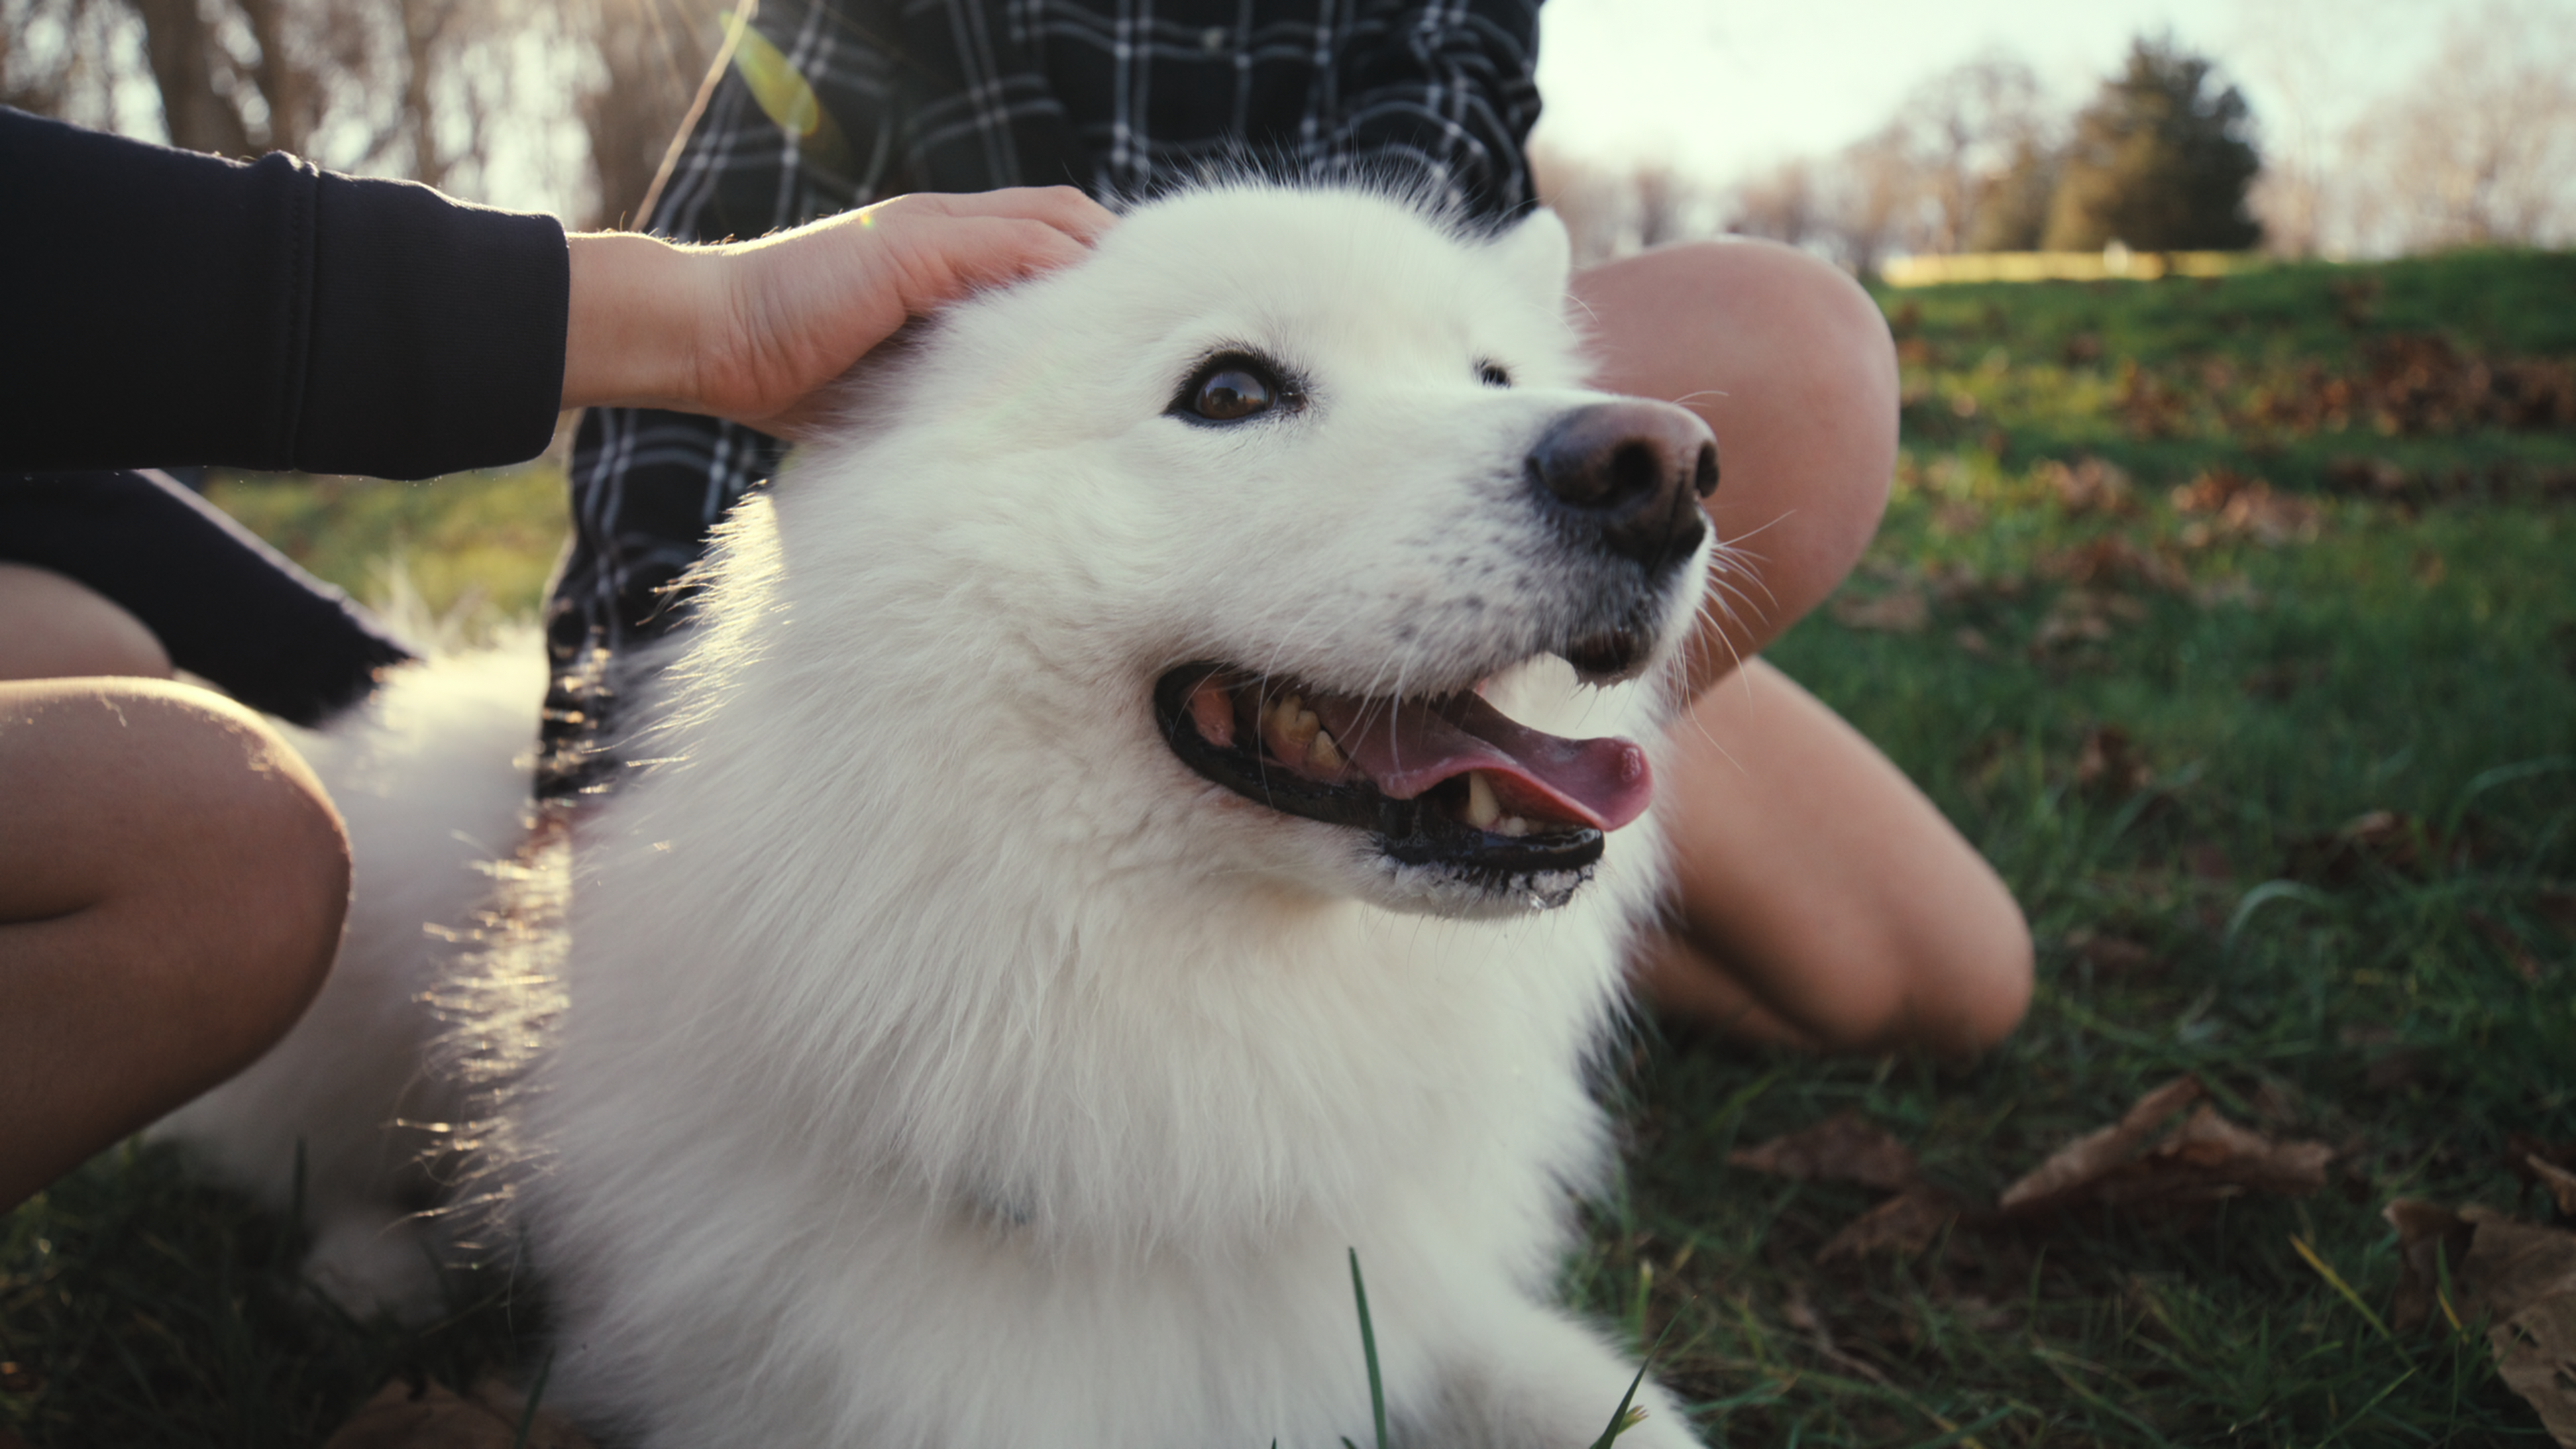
x=2476 y=147
x=560 y=104
x=569 y=104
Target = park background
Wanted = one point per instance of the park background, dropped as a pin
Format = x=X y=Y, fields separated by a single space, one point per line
x=2224 y=600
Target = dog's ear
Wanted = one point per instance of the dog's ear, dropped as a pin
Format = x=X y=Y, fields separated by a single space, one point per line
x=1538 y=252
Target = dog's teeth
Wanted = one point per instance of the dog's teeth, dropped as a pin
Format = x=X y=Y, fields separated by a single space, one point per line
x=1511 y=825
x=1482 y=809
x=1212 y=713
x=1288 y=727
x=1323 y=754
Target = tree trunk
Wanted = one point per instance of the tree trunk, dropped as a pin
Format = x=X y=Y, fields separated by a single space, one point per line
x=182 y=50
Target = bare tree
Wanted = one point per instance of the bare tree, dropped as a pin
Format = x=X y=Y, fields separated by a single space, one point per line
x=1784 y=204
x=2479 y=148
x=1962 y=134
x=650 y=58
x=65 y=58
x=1948 y=171
x=2303 y=52
x=1611 y=210
x=568 y=105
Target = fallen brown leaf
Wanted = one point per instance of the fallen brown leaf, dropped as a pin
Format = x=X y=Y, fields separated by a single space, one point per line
x=2205 y=1159
x=2432 y=1240
x=1903 y=611
x=2381 y=838
x=2076 y=618
x=2522 y=1278
x=2536 y=1357
x=2115 y=559
x=2090 y=486
x=2560 y=1182
x=430 y=1416
x=2525 y=1156
x=2513 y=1265
x=2090 y=1156
x=1841 y=1148
x=2516 y=951
x=2237 y=504
x=1905 y=1224
x=2115 y=958
x=2108 y=762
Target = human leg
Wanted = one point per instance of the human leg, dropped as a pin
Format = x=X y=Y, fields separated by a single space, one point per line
x=1820 y=900
x=219 y=602
x=57 y=627
x=172 y=881
x=1790 y=363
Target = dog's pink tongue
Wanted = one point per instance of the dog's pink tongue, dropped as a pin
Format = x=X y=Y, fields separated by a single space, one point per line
x=1602 y=783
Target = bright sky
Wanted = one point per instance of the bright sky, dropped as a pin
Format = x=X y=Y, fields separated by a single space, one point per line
x=1723 y=87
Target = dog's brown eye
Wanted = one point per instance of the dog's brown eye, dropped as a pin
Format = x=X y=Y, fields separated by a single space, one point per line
x=1230 y=393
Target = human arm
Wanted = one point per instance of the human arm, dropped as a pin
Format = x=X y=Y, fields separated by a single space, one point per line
x=178 y=308
x=172 y=308
x=748 y=331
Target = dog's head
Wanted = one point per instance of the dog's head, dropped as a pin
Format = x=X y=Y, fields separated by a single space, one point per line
x=1279 y=541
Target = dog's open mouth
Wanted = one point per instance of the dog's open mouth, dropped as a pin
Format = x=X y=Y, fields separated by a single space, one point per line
x=1448 y=781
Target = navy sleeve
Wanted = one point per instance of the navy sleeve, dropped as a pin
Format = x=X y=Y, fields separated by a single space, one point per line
x=168 y=308
x=1445 y=91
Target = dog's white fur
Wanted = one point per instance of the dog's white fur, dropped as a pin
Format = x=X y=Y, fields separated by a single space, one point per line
x=942 y=1062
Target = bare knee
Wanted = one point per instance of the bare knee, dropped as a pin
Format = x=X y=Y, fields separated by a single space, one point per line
x=53 y=627
x=1791 y=364
x=261 y=868
x=172 y=883
x=1974 y=997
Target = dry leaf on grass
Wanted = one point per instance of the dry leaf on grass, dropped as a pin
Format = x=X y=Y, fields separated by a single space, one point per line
x=2114 y=559
x=2381 y=839
x=1903 y=611
x=2108 y=762
x=430 y=1416
x=1844 y=1148
x=2560 y=1182
x=2520 y=1278
x=2203 y=1160
x=1841 y=1148
x=1906 y=1224
x=2237 y=504
x=2536 y=1358
x=2432 y=1240
x=2523 y=1278
x=2091 y=485
x=2549 y=1166
x=2115 y=958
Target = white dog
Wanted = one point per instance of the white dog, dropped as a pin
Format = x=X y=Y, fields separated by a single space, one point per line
x=1152 y=806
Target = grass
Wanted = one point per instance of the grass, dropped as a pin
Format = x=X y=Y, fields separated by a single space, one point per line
x=2157 y=717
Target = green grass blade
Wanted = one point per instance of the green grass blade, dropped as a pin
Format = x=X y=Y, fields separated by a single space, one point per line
x=1368 y=1351
x=528 y=1412
x=2335 y=1281
x=1625 y=1417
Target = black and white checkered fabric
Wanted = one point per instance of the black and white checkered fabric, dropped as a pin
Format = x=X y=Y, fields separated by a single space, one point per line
x=836 y=103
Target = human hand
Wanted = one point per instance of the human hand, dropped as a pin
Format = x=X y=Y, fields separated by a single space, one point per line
x=753 y=331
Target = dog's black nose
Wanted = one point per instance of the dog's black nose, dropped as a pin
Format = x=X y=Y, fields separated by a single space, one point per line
x=1630 y=475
